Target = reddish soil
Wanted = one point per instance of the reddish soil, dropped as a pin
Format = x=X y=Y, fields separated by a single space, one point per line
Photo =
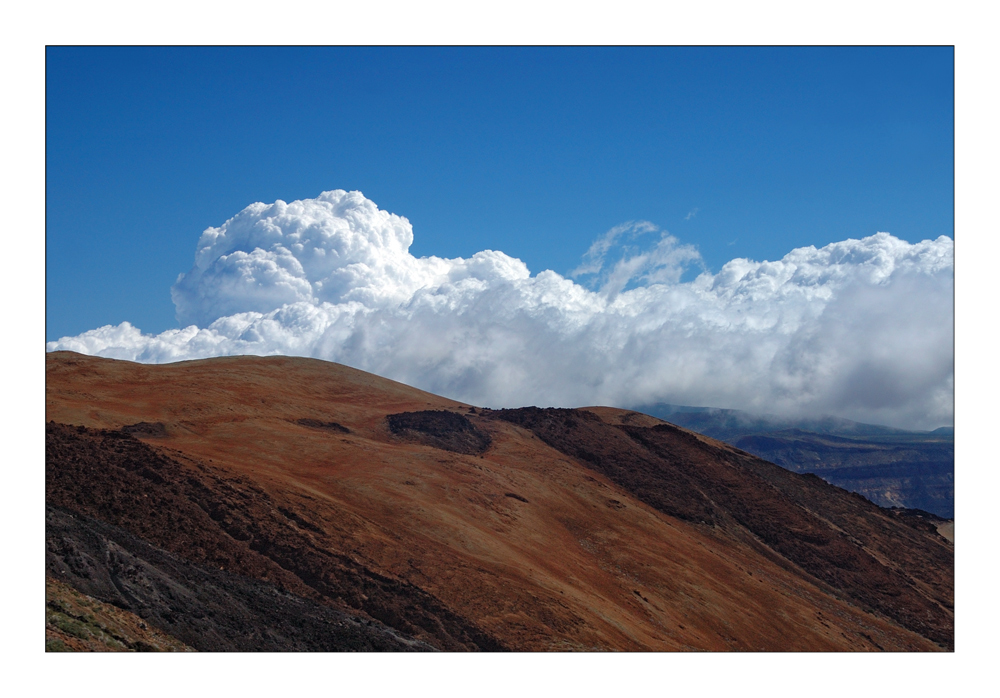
x=895 y=566
x=635 y=538
x=220 y=524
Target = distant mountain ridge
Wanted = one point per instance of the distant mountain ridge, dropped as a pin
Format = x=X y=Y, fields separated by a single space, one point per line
x=722 y=423
x=892 y=467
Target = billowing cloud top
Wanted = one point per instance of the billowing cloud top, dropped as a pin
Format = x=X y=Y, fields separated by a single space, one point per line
x=860 y=328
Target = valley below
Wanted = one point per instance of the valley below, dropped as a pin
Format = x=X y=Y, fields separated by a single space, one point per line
x=891 y=467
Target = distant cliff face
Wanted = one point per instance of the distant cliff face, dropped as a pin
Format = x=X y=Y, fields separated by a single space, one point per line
x=891 y=467
x=916 y=472
x=293 y=504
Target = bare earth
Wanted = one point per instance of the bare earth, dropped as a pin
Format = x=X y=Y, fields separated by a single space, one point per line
x=538 y=549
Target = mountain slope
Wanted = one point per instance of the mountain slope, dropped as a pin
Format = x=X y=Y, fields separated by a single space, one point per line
x=471 y=531
x=842 y=540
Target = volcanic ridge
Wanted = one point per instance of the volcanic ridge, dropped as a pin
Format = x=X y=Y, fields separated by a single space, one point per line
x=289 y=504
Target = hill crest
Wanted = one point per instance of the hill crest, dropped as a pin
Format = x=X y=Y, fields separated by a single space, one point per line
x=538 y=539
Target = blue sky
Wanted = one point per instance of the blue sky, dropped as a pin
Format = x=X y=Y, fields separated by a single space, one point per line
x=532 y=151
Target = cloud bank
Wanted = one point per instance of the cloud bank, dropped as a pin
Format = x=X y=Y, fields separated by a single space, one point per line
x=860 y=329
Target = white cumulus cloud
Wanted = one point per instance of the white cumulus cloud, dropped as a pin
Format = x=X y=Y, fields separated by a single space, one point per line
x=860 y=328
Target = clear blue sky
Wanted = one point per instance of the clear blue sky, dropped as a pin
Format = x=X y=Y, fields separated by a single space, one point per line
x=532 y=151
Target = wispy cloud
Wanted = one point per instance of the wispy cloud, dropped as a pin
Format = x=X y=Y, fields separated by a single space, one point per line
x=859 y=328
x=615 y=260
x=692 y=213
x=593 y=258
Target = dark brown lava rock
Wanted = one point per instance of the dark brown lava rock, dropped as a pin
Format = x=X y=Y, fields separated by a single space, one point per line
x=317 y=424
x=441 y=429
x=146 y=429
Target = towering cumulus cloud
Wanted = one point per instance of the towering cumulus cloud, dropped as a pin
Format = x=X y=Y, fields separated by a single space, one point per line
x=860 y=328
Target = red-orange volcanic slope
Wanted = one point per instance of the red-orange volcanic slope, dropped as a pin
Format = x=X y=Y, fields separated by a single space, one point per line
x=530 y=542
